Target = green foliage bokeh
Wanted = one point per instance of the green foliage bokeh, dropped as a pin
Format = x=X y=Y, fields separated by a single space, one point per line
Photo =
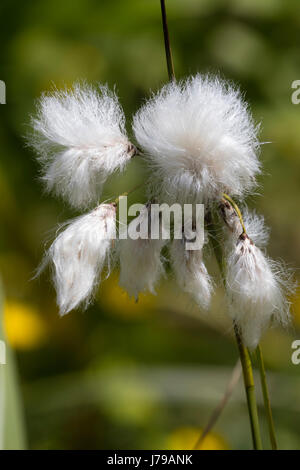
x=99 y=379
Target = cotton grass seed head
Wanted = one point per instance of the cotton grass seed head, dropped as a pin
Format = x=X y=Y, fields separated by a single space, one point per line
x=257 y=288
x=80 y=139
x=79 y=254
x=199 y=139
x=141 y=263
x=191 y=273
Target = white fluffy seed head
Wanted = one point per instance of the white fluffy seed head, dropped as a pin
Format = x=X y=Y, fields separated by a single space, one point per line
x=256 y=287
x=191 y=273
x=141 y=264
x=79 y=254
x=80 y=139
x=199 y=139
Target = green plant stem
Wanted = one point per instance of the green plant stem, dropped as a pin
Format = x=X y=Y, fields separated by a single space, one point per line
x=267 y=402
x=250 y=390
x=244 y=355
x=237 y=210
x=167 y=41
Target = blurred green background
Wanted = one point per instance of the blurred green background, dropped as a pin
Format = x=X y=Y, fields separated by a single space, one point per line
x=147 y=375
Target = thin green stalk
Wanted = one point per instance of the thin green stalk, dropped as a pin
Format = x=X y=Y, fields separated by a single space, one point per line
x=244 y=355
x=250 y=390
x=234 y=379
x=267 y=402
x=167 y=41
x=237 y=210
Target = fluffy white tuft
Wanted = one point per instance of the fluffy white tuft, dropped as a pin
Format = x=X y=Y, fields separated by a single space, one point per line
x=199 y=139
x=80 y=139
x=141 y=264
x=78 y=256
x=256 y=228
x=256 y=288
x=191 y=273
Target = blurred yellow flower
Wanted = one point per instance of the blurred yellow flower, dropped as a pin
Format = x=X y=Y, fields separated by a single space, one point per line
x=117 y=301
x=185 y=438
x=296 y=307
x=23 y=325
